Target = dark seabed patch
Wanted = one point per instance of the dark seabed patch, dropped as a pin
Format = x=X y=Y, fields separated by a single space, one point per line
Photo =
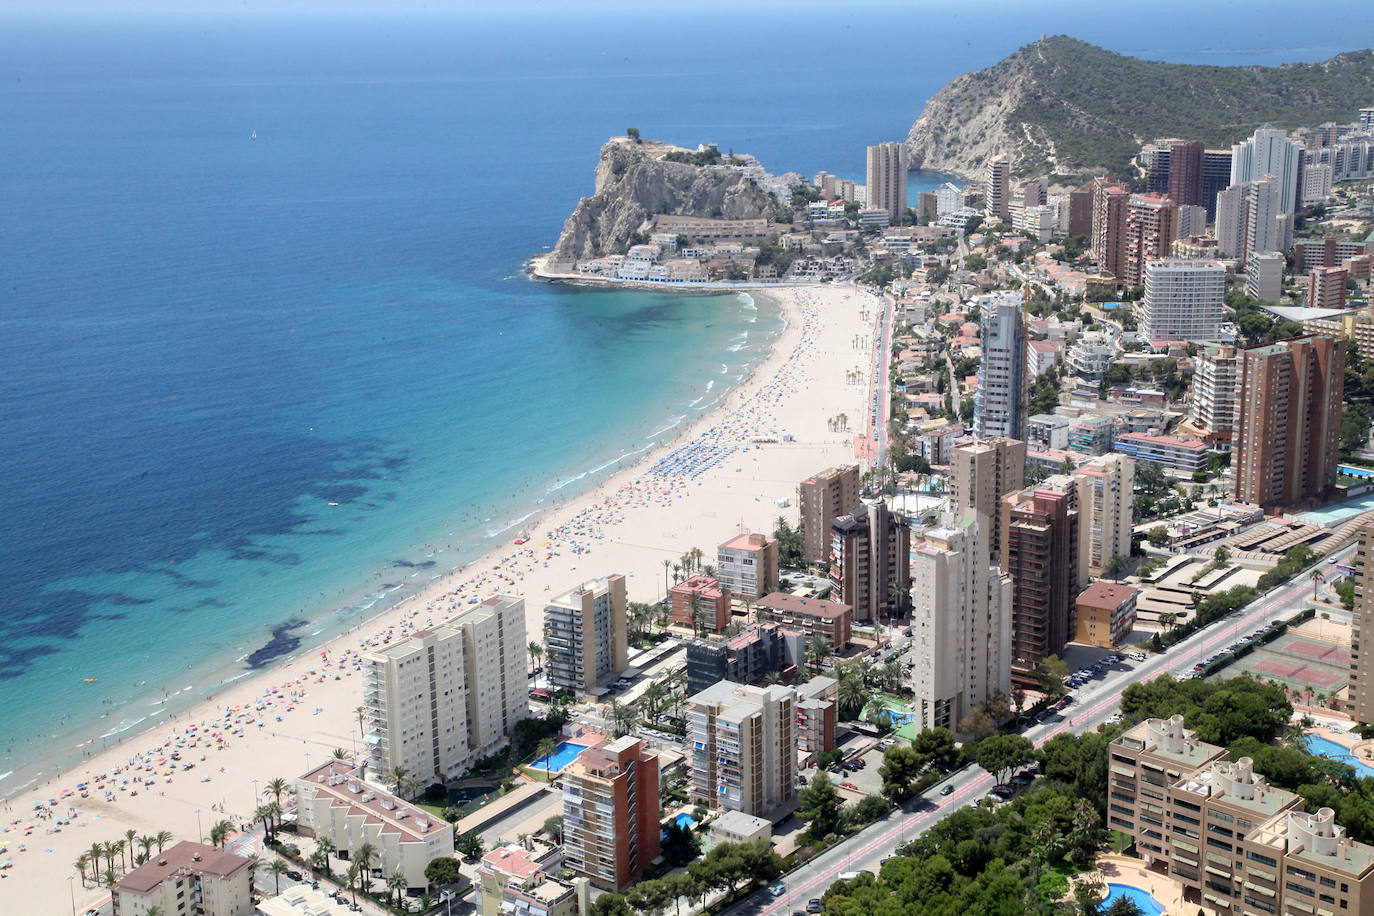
x=283 y=642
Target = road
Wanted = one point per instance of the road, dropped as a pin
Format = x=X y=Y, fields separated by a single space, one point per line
x=1092 y=704
x=875 y=436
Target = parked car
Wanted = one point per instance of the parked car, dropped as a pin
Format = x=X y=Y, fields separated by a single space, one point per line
x=947 y=789
x=293 y=875
x=850 y=786
x=777 y=890
x=813 y=905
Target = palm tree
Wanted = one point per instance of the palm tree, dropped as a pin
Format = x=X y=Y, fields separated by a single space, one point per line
x=95 y=854
x=163 y=838
x=217 y=833
x=129 y=837
x=276 y=787
x=117 y=848
x=667 y=565
x=676 y=569
x=536 y=651
x=340 y=754
x=323 y=847
x=397 y=882
x=153 y=910
x=147 y=842
x=226 y=829
x=354 y=871
x=652 y=699
x=1166 y=620
x=1316 y=577
x=264 y=813
x=545 y=750
x=109 y=877
x=367 y=857
x=397 y=777
x=361 y=713
x=818 y=649
x=698 y=617
x=276 y=868
x=80 y=866
x=623 y=718
x=851 y=693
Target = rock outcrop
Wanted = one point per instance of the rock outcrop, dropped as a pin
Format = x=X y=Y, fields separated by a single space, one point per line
x=634 y=182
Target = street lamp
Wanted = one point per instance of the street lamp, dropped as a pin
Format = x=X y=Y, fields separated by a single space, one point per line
x=254 y=806
x=72 y=887
x=200 y=832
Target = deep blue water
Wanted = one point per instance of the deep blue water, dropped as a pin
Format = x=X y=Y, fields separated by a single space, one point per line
x=206 y=339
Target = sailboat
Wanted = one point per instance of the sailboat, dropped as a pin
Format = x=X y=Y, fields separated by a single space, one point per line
x=254 y=136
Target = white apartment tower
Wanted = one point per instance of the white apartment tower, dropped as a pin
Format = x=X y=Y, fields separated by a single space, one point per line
x=1268 y=227
x=1105 y=508
x=1269 y=153
x=1230 y=222
x=742 y=747
x=1184 y=299
x=1216 y=383
x=1264 y=276
x=997 y=189
x=449 y=694
x=961 y=623
x=887 y=179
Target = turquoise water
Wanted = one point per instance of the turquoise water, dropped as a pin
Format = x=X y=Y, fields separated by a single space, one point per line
x=1141 y=898
x=1325 y=747
x=565 y=754
x=685 y=821
x=1351 y=470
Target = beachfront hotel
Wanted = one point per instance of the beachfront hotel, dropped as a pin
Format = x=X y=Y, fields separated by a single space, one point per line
x=447 y=695
x=1236 y=844
x=333 y=800
x=610 y=812
x=742 y=749
x=586 y=635
x=188 y=877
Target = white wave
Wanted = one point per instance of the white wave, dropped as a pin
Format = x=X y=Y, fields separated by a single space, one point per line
x=123 y=726
x=724 y=368
x=738 y=342
x=659 y=432
x=491 y=533
x=7 y=774
x=747 y=300
x=709 y=385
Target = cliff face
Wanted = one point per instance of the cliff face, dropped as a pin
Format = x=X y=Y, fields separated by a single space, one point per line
x=1067 y=107
x=634 y=183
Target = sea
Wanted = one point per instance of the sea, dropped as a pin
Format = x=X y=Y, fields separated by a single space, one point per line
x=269 y=361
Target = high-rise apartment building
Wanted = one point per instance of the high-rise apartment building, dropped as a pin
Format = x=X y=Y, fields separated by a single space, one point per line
x=448 y=694
x=1081 y=211
x=585 y=635
x=1109 y=226
x=1190 y=221
x=1184 y=299
x=1316 y=183
x=1326 y=287
x=998 y=404
x=927 y=207
x=948 y=198
x=980 y=475
x=1230 y=214
x=821 y=498
x=1106 y=502
x=1216 y=177
x=1040 y=531
x=742 y=748
x=1216 y=383
x=960 y=623
x=761 y=650
x=1268 y=227
x=1185 y=172
x=1238 y=844
x=997 y=189
x=214 y=882
x=887 y=179
x=747 y=566
x=1360 y=693
x=1264 y=276
x=1288 y=424
x=1150 y=223
x=1269 y=153
x=610 y=812
x=868 y=559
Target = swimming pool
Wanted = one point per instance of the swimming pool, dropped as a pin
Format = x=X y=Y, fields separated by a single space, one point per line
x=1339 y=512
x=564 y=754
x=685 y=821
x=1141 y=898
x=1325 y=747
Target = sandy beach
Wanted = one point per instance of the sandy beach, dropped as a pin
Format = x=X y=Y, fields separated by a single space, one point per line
x=714 y=481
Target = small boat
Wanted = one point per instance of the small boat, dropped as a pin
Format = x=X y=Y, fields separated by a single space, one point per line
x=90 y=680
x=333 y=504
x=254 y=136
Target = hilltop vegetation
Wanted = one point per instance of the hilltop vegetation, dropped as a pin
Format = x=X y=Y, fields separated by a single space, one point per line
x=1063 y=106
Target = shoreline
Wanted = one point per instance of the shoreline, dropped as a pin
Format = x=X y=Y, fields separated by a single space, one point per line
x=360 y=609
x=630 y=523
x=537 y=269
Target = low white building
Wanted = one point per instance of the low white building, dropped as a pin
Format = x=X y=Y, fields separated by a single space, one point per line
x=738 y=827
x=333 y=801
